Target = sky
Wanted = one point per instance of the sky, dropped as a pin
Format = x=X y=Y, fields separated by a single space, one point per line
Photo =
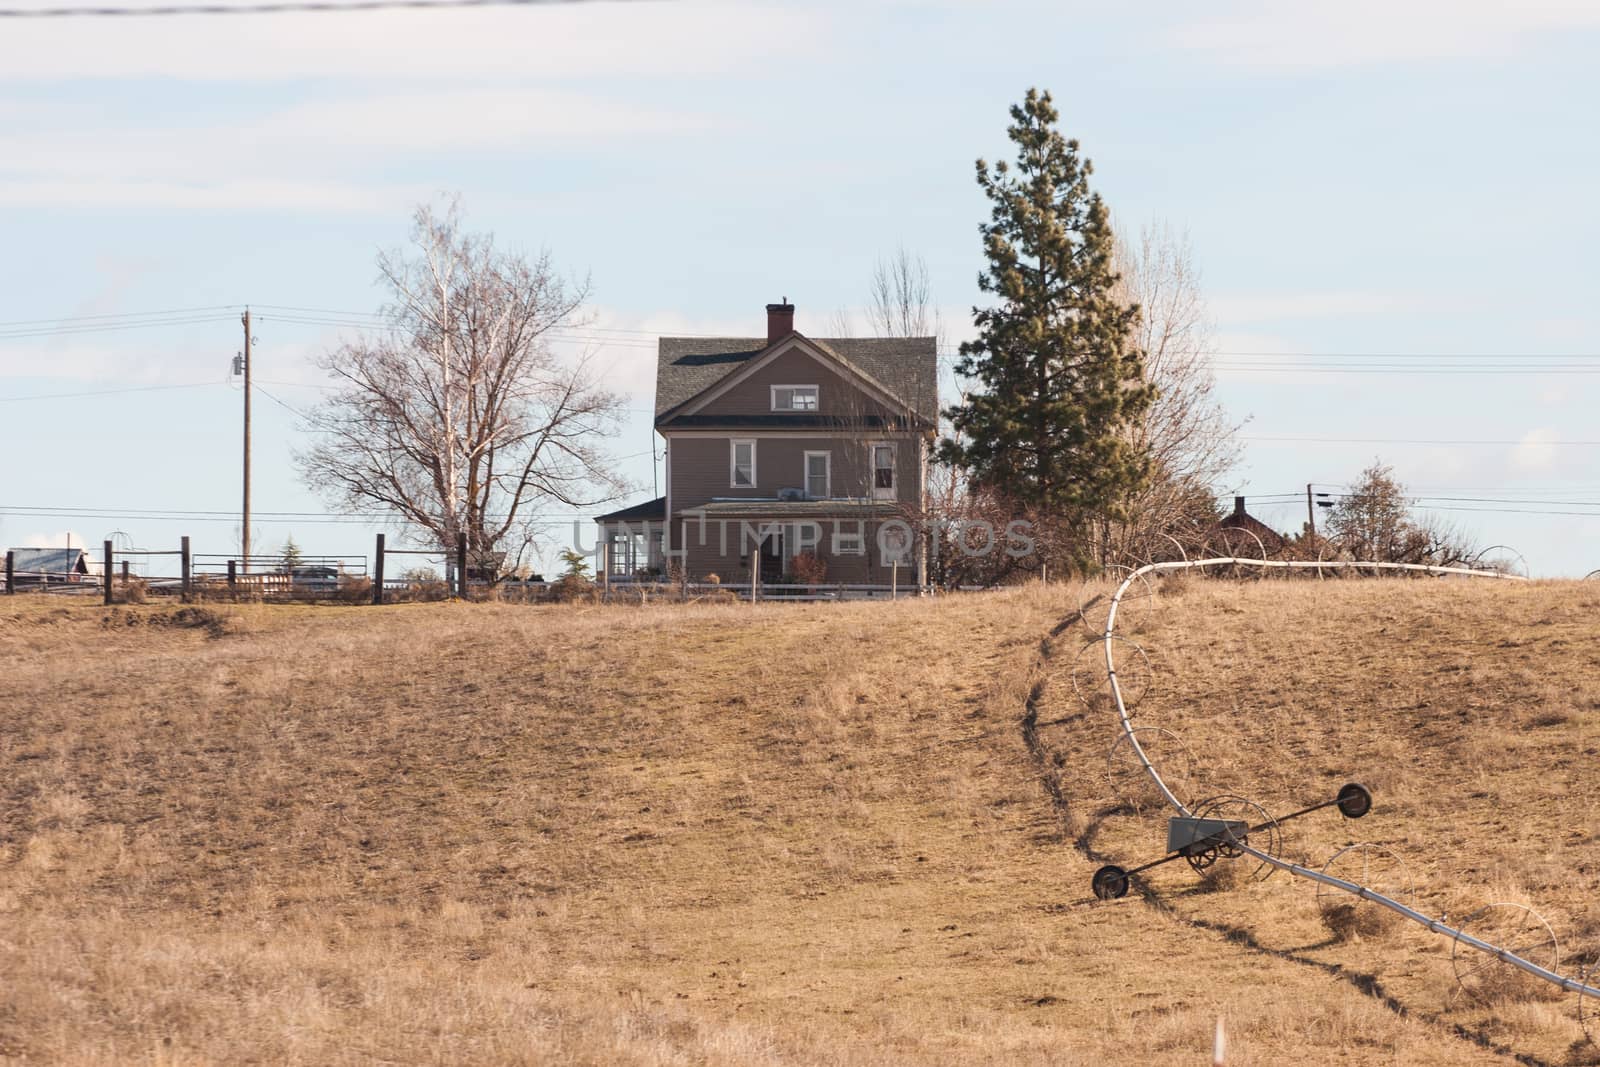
x=1391 y=206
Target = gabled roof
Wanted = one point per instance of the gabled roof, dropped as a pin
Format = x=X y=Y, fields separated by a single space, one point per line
x=905 y=367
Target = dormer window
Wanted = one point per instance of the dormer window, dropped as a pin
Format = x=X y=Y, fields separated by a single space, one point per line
x=794 y=398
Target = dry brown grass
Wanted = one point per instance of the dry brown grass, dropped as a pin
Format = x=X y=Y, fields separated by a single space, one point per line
x=788 y=834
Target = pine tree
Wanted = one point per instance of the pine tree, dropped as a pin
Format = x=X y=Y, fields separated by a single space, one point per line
x=1060 y=377
x=291 y=557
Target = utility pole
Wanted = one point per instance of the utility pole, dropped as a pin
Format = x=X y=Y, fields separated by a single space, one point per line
x=245 y=536
x=1311 y=515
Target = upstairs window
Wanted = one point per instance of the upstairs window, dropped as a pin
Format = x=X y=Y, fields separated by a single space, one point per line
x=883 y=472
x=742 y=464
x=794 y=398
x=818 y=475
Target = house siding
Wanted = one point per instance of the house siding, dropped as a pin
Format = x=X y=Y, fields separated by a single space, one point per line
x=714 y=548
x=699 y=466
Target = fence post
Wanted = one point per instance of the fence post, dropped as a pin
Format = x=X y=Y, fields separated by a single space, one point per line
x=377 y=573
x=11 y=572
x=124 y=573
x=461 y=565
x=184 y=550
x=233 y=573
x=108 y=573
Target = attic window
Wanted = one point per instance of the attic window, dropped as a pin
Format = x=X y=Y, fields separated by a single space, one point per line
x=794 y=398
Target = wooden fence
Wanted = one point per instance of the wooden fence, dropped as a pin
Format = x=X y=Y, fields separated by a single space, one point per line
x=183 y=573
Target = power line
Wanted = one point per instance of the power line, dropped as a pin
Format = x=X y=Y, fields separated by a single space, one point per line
x=108 y=327
x=105 y=392
x=263 y=8
x=121 y=315
x=1413 y=441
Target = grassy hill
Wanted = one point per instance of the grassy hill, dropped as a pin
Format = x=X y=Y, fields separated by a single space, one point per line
x=852 y=834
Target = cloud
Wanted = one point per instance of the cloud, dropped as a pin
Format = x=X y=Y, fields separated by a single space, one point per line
x=1269 y=35
x=1535 y=452
x=546 y=42
x=1273 y=307
x=271 y=195
x=64 y=158
x=467 y=118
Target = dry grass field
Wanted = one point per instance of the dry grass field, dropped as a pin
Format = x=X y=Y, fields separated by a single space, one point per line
x=788 y=834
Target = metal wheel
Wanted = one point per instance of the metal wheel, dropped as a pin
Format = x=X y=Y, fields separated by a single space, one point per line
x=1354 y=801
x=1588 y=1006
x=1592 y=576
x=1110 y=882
x=1267 y=839
x=1234 y=543
x=1374 y=867
x=1502 y=558
x=1094 y=599
x=1129 y=779
x=1516 y=928
x=1092 y=684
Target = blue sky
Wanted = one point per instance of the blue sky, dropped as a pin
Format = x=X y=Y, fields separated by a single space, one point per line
x=1356 y=179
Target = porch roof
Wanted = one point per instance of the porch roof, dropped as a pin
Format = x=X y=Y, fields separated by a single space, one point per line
x=792 y=509
x=650 y=510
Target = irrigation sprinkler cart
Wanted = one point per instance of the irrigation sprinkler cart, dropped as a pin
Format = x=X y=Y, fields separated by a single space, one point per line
x=1202 y=839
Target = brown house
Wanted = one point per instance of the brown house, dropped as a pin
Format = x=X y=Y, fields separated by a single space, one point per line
x=1272 y=542
x=785 y=445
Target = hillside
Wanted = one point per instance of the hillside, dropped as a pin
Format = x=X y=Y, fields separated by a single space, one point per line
x=785 y=834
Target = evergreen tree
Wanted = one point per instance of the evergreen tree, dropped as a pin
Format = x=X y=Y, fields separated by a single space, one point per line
x=1059 y=374
x=291 y=557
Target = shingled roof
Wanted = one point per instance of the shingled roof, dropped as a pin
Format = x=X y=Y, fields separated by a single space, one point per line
x=907 y=367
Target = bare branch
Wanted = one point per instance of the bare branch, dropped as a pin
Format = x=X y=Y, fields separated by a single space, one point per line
x=458 y=417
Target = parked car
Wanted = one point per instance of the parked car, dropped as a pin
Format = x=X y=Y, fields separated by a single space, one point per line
x=315 y=577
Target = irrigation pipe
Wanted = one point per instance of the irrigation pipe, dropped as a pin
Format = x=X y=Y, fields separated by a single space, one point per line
x=1437 y=926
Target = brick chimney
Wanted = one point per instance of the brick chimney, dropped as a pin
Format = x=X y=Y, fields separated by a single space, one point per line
x=780 y=320
x=1238 y=505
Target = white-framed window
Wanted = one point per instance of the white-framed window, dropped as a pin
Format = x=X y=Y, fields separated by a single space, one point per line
x=894 y=543
x=849 y=537
x=794 y=398
x=819 y=475
x=742 y=463
x=883 y=487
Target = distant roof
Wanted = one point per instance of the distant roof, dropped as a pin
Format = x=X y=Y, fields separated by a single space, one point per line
x=907 y=367
x=1271 y=539
x=49 y=560
x=650 y=509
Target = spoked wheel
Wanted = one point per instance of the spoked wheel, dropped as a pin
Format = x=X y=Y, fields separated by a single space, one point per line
x=1094 y=599
x=1110 y=882
x=1330 y=562
x=1267 y=839
x=1502 y=558
x=1091 y=682
x=1129 y=778
x=1588 y=1005
x=1239 y=544
x=1374 y=867
x=1518 y=929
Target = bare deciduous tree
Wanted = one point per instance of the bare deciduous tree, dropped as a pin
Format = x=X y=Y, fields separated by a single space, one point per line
x=458 y=417
x=1372 y=521
x=1190 y=438
x=901 y=297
